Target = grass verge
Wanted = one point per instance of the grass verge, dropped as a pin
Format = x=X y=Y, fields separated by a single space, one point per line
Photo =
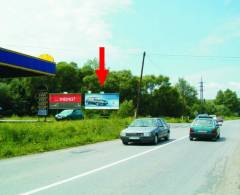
x=231 y=118
x=26 y=138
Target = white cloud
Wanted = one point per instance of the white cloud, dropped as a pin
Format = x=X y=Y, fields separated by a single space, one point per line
x=235 y=85
x=207 y=44
x=217 y=38
x=218 y=77
x=227 y=2
x=67 y=29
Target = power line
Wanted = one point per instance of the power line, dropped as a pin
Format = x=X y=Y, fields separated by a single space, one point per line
x=194 y=56
x=130 y=52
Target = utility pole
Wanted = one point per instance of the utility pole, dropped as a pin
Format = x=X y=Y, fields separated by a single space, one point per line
x=201 y=91
x=139 y=86
x=201 y=96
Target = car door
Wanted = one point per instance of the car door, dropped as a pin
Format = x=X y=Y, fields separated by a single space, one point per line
x=78 y=114
x=74 y=115
x=166 y=127
x=216 y=125
x=161 y=128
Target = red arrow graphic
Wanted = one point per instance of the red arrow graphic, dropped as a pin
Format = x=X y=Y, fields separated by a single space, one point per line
x=102 y=72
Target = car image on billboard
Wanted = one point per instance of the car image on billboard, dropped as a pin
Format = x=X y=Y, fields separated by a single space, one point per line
x=102 y=101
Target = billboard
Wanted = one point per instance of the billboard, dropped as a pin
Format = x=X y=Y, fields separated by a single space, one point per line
x=102 y=101
x=65 y=101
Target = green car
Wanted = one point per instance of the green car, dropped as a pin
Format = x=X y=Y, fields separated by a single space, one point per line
x=69 y=115
x=204 y=128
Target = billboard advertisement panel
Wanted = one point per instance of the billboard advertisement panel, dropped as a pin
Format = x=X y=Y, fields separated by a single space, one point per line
x=102 y=101
x=65 y=101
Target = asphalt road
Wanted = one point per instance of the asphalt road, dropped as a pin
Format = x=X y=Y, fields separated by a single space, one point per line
x=174 y=167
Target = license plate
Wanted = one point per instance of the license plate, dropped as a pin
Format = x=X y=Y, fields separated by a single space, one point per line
x=134 y=138
x=202 y=131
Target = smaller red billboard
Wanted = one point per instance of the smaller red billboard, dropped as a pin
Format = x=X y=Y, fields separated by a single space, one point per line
x=65 y=98
x=65 y=101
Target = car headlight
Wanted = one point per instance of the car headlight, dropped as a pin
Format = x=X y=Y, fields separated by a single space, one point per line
x=147 y=134
x=123 y=133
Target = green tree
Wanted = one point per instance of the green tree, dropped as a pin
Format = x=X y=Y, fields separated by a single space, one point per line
x=126 y=109
x=219 y=98
x=229 y=99
x=124 y=83
x=5 y=98
x=67 y=77
x=152 y=82
x=166 y=101
x=210 y=107
x=222 y=110
x=188 y=95
x=89 y=80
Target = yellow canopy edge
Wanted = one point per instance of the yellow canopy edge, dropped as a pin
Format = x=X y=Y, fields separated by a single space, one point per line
x=46 y=57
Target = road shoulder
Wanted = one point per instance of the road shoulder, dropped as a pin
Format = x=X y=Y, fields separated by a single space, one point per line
x=230 y=181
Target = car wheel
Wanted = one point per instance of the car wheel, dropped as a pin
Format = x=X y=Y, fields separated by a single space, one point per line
x=155 y=141
x=125 y=143
x=191 y=138
x=167 y=137
x=218 y=137
x=215 y=139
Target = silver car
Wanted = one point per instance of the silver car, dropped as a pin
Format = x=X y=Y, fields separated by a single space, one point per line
x=145 y=130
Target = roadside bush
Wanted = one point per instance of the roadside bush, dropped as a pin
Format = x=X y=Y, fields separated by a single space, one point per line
x=222 y=110
x=126 y=109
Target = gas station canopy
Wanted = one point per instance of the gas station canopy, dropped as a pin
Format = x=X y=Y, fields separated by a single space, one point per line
x=14 y=64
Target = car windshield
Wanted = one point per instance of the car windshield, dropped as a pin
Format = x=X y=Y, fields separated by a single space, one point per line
x=144 y=123
x=66 y=112
x=206 y=123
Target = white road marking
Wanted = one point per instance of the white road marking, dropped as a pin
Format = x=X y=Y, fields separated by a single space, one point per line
x=100 y=168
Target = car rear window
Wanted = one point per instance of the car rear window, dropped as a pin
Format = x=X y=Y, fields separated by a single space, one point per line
x=207 y=123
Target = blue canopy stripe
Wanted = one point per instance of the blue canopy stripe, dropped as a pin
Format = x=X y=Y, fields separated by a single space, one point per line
x=12 y=61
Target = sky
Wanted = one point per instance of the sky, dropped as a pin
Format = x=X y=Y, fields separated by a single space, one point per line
x=182 y=38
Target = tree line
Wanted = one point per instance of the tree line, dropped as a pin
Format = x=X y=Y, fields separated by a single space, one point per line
x=158 y=96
